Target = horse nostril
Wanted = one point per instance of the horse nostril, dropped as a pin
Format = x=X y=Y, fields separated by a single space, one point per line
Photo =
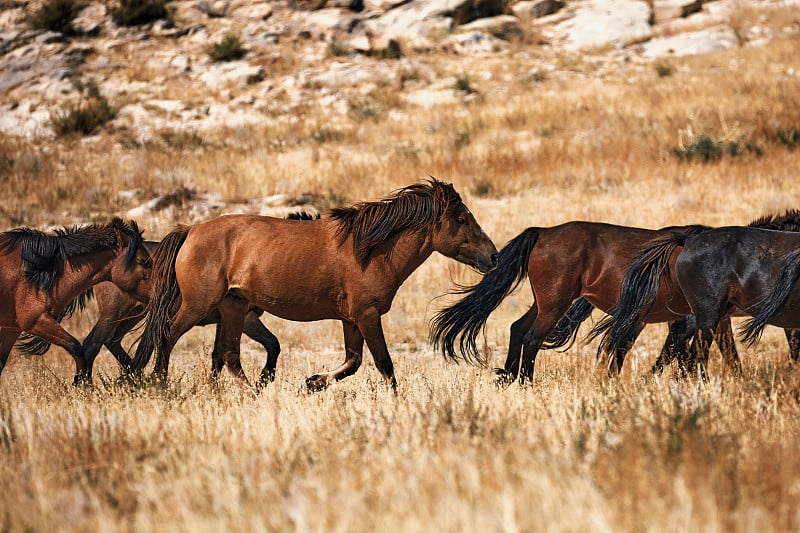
x=494 y=259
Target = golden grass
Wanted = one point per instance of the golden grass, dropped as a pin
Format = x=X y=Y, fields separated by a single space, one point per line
x=575 y=452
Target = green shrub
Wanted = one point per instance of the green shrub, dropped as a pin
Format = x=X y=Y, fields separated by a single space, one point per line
x=464 y=84
x=227 y=49
x=136 y=12
x=664 y=69
x=706 y=148
x=91 y=112
x=790 y=137
x=56 y=15
x=337 y=48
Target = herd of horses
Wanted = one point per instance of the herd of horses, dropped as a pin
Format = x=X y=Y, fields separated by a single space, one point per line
x=349 y=265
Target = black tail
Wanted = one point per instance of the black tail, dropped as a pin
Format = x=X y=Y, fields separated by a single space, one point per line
x=790 y=273
x=165 y=298
x=566 y=330
x=639 y=289
x=32 y=345
x=467 y=318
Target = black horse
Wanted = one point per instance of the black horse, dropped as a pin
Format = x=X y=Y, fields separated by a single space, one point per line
x=722 y=272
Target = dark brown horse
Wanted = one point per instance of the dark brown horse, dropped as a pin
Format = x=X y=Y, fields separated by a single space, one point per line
x=347 y=267
x=41 y=275
x=563 y=264
x=656 y=268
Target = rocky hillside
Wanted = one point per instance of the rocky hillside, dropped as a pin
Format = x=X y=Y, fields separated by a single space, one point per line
x=208 y=64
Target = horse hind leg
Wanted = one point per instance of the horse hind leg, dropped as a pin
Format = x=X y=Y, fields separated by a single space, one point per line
x=726 y=342
x=354 y=349
x=518 y=330
x=257 y=331
x=793 y=338
x=532 y=341
x=676 y=345
x=232 y=311
x=616 y=359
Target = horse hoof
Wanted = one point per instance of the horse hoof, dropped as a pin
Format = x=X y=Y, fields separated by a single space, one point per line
x=316 y=383
x=504 y=378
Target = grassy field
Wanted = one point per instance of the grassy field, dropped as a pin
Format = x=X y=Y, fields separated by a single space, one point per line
x=451 y=451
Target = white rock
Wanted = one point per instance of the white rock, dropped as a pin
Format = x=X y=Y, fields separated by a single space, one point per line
x=704 y=41
x=604 y=22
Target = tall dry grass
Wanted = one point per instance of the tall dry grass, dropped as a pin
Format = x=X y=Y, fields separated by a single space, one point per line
x=574 y=452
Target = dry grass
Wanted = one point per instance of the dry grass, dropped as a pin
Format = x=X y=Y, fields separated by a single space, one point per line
x=450 y=451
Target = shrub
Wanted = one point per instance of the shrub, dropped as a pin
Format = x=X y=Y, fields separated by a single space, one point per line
x=790 y=137
x=337 y=48
x=463 y=84
x=227 y=49
x=706 y=148
x=664 y=69
x=136 y=12
x=91 y=112
x=56 y=15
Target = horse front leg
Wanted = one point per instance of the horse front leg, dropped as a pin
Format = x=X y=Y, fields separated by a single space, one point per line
x=793 y=338
x=47 y=328
x=354 y=349
x=8 y=336
x=108 y=332
x=257 y=331
x=676 y=344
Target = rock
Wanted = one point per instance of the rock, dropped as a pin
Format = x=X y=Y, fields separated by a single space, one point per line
x=704 y=41
x=239 y=71
x=48 y=37
x=536 y=8
x=423 y=17
x=181 y=62
x=90 y=19
x=671 y=9
x=605 y=22
x=494 y=25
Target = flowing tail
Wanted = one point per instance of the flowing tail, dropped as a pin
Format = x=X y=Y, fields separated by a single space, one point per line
x=566 y=330
x=463 y=321
x=33 y=345
x=165 y=299
x=639 y=289
x=790 y=273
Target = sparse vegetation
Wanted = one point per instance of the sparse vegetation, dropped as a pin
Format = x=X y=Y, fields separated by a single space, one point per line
x=137 y=12
x=56 y=15
x=87 y=115
x=705 y=148
x=228 y=48
x=464 y=84
x=337 y=48
x=664 y=68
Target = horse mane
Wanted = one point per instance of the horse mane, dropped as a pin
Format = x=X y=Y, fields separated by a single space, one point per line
x=789 y=221
x=43 y=256
x=412 y=208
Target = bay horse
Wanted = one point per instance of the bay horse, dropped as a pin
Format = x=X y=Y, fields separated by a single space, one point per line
x=118 y=312
x=347 y=266
x=571 y=268
x=41 y=275
x=723 y=272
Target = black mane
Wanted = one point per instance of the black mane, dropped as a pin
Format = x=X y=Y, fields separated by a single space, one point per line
x=43 y=256
x=789 y=221
x=412 y=208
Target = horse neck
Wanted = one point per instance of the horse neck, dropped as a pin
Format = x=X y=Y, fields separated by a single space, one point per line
x=85 y=270
x=406 y=253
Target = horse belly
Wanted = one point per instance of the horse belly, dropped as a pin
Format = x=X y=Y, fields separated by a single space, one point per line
x=293 y=301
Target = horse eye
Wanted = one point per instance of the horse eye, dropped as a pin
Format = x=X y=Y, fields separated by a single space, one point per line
x=461 y=220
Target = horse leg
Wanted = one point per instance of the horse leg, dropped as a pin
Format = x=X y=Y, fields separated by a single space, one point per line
x=676 y=344
x=184 y=320
x=544 y=323
x=726 y=343
x=519 y=329
x=369 y=324
x=257 y=331
x=793 y=337
x=217 y=362
x=616 y=359
x=48 y=328
x=354 y=348
x=232 y=311
x=108 y=332
x=8 y=336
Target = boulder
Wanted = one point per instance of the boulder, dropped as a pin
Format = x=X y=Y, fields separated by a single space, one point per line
x=671 y=9
x=608 y=22
x=536 y=8
x=703 y=41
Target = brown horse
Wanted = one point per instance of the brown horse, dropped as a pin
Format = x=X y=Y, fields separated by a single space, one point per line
x=40 y=275
x=118 y=312
x=570 y=267
x=347 y=267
